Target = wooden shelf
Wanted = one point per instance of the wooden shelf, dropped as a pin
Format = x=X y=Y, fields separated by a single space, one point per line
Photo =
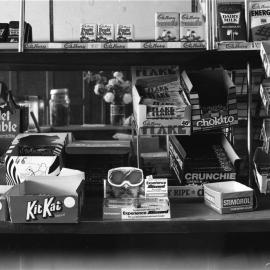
x=187 y=217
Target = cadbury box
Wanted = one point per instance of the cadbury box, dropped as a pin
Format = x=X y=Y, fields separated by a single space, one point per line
x=202 y=158
x=228 y=197
x=4 y=213
x=35 y=154
x=261 y=162
x=160 y=105
x=46 y=199
x=214 y=104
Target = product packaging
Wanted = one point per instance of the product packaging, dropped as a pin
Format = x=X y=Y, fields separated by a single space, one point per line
x=265 y=135
x=3 y=32
x=124 y=32
x=13 y=32
x=160 y=105
x=88 y=32
x=260 y=20
x=203 y=158
x=265 y=56
x=185 y=191
x=105 y=32
x=231 y=24
x=213 y=105
x=35 y=154
x=228 y=197
x=4 y=213
x=46 y=199
x=262 y=170
x=265 y=94
x=167 y=26
x=192 y=26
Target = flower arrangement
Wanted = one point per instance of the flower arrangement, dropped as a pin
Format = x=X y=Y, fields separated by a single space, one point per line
x=116 y=90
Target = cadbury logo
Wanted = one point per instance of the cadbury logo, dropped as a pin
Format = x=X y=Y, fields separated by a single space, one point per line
x=230 y=18
x=47 y=209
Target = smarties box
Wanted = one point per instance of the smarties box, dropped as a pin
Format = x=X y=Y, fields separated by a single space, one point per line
x=35 y=154
x=228 y=197
x=46 y=200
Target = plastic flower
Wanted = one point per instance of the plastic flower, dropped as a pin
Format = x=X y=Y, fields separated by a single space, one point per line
x=109 y=97
x=127 y=98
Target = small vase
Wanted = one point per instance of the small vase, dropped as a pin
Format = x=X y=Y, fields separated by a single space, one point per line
x=117 y=114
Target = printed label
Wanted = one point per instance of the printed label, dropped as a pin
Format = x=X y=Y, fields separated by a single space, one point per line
x=243 y=201
x=156 y=187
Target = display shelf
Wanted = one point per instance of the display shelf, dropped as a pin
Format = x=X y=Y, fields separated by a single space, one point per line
x=187 y=217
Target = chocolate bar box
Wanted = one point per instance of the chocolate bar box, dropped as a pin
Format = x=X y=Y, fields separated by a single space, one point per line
x=231 y=24
x=88 y=32
x=260 y=20
x=203 y=158
x=105 y=32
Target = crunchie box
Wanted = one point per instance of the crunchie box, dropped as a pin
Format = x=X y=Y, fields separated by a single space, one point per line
x=260 y=20
x=4 y=213
x=261 y=162
x=105 y=32
x=213 y=105
x=167 y=26
x=46 y=199
x=124 y=32
x=160 y=105
x=192 y=26
x=88 y=32
x=228 y=197
x=203 y=158
x=231 y=24
x=35 y=154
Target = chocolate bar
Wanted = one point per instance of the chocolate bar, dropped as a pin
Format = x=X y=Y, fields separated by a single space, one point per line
x=124 y=32
x=260 y=20
x=231 y=22
x=167 y=26
x=105 y=32
x=88 y=32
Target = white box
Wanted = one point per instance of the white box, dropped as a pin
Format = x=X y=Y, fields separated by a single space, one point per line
x=228 y=197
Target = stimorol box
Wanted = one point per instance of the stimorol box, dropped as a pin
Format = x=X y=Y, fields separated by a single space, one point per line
x=34 y=154
x=260 y=20
x=46 y=199
x=192 y=26
x=262 y=170
x=167 y=26
x=213 y=105
x=105 y=32
x=88 y=32
x=231 y=22
x=228 y=197
x=124 y=32
x=203 y=158
x=160 y=105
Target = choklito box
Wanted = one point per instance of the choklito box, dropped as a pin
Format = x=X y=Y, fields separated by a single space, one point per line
x=34 y=155
x=46 y=199
x=228 y=197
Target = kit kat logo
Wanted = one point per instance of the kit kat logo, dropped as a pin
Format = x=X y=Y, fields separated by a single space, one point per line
x=230 y=18
x=46 y=209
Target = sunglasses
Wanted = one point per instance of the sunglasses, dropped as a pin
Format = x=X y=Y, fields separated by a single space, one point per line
x=118 y=177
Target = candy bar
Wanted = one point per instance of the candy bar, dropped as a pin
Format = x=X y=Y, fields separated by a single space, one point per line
x=260 y=20
x=124 y=32
x=192 y=27
x=231 y=22
x=105 y=32
x=167 y=26
x=88 y=32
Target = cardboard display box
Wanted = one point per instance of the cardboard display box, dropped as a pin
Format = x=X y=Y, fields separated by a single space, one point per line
x=35 y=154
x=160 y=106
x=262 y=170
x=228 y=197
x=202 y=158
x=46 y=199
x=4 y=213
x=212 y=95
x=185 y=192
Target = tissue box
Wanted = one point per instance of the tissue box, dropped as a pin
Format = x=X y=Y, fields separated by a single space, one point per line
x=228 y=197
x=4 y=214
x=46 y=199
x=34 y=154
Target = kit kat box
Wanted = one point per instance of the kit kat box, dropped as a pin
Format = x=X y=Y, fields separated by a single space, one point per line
x=35 y=154
x=231 y=24
x=46 y=200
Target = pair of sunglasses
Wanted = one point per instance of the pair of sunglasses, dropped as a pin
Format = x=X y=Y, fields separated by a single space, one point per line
x=121 y=176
